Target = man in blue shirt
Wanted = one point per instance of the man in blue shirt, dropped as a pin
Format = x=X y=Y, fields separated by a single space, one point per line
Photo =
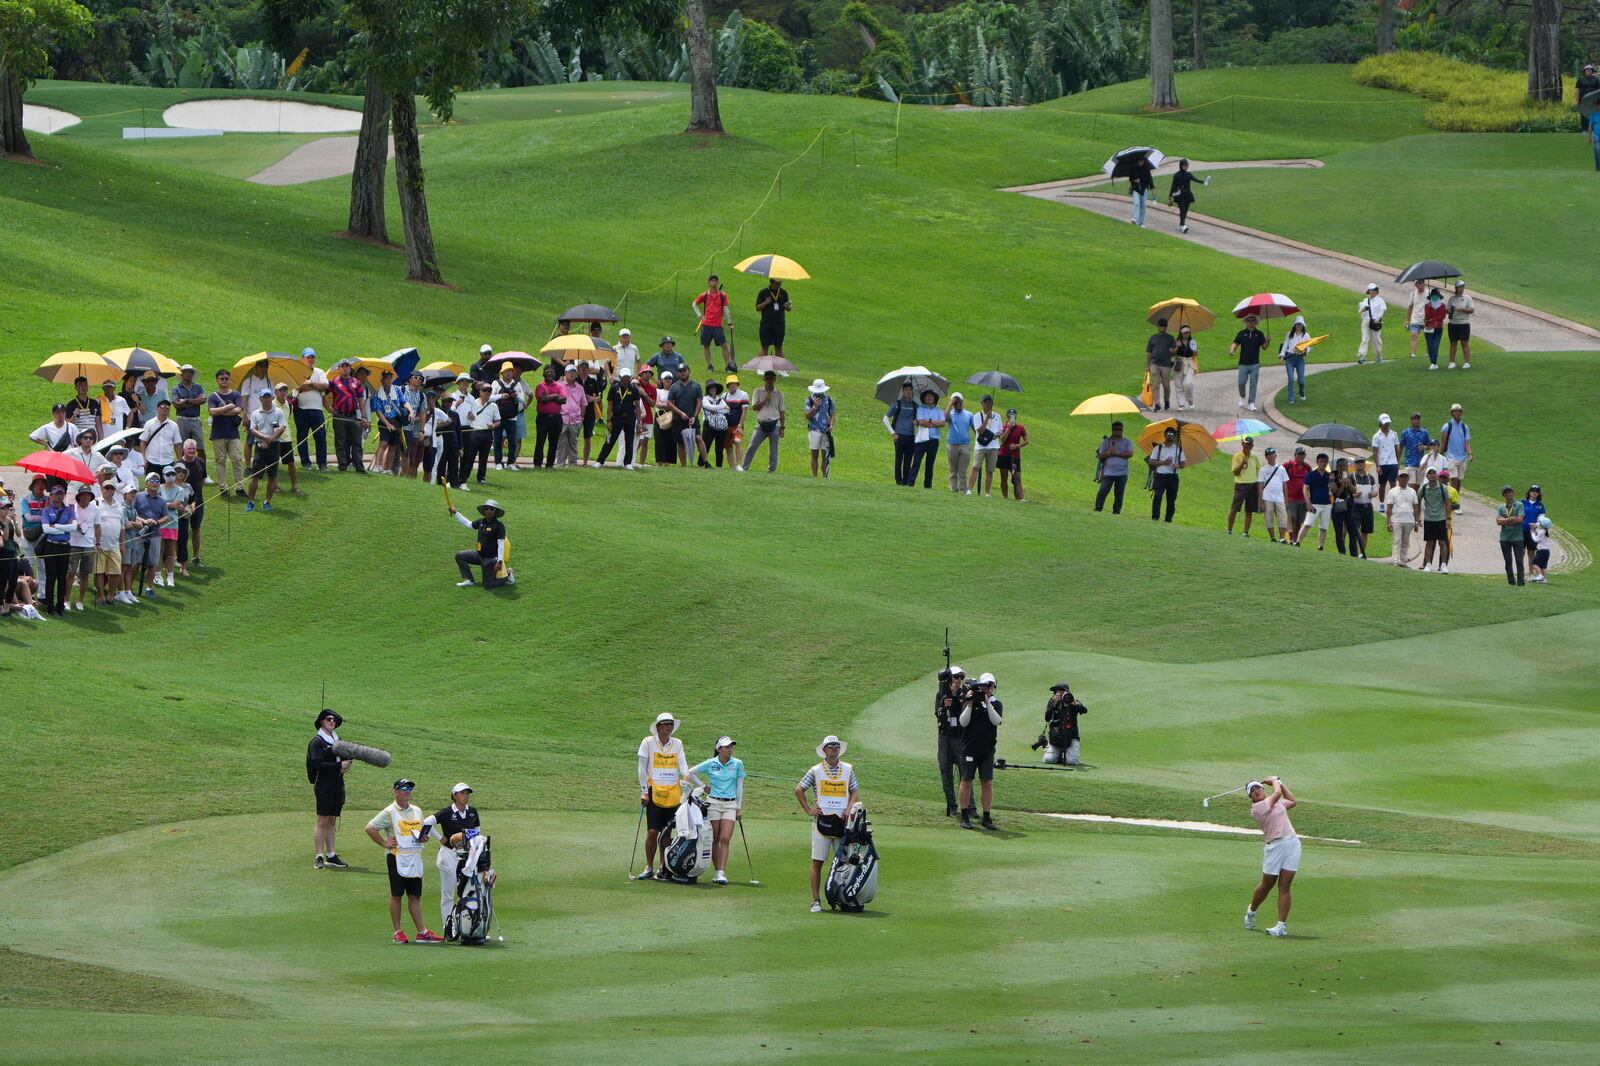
x=901 y=421
x=1319 y=498
x=959 y=422
x=820 y=413
x=1456 y=439
x=930 y=417
x=725 y=774
x=1412 y=440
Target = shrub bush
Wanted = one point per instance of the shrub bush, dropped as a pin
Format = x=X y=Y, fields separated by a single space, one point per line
x=1472 y=99
x=769 y=61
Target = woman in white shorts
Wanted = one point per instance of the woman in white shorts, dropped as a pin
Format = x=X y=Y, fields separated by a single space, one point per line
x=1281 y=858
x=725 y=774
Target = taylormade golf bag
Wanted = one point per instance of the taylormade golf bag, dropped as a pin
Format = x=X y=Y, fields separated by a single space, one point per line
x=853 y=877
x=689 y=854
x=474 y=910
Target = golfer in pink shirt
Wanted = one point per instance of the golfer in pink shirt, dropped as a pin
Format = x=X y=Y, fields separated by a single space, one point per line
x=1282 y=854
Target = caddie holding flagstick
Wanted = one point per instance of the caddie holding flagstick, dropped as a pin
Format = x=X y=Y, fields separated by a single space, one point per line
x=490 y=552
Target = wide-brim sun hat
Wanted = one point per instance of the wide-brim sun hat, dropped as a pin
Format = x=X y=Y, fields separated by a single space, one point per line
x=831 y=739
x=486 y=505
x=328 y=712
x=666 y=716
x=819 y=386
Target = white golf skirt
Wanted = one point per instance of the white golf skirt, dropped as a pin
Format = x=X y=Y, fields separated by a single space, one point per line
x=1280 y=855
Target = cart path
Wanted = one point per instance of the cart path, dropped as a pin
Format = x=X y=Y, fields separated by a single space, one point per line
x=1476 y=537
x=1046 y=188
x=1511 y=326
x=325 y=157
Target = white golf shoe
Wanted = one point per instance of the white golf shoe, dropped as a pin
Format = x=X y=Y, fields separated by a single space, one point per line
x=1278 y=930
x=1249 y=919
x=720 y=879
x=816 y=906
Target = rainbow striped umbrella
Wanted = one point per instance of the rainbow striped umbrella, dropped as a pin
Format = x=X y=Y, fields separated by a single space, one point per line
x=1240 y=428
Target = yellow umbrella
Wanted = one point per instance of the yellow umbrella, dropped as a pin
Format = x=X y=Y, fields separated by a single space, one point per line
x=64 y=367
x=282 y=368
x=571 y=347
x=1310 y=343
x=376 y=367
x=1193 y=438
x=443 y=367
x=773 y=266
x=1107 y=403
x=1180 y=311
x=140 y=360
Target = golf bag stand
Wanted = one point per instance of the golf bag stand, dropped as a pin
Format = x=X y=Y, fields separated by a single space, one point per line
x=474 y=910
x=853 y=878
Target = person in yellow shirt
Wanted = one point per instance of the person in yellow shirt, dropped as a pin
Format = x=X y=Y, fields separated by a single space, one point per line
x=663 y=769
x=1246 y=468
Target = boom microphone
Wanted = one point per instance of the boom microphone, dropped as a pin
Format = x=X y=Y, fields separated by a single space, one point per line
x=361 y=753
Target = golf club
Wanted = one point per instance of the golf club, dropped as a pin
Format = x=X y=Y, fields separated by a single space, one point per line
x=747 y=861
x=638 y=826
x=1207 y=801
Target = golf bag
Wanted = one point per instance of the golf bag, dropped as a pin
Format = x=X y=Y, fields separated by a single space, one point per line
x=853 y=877
x=689 y=854
x=474 y=909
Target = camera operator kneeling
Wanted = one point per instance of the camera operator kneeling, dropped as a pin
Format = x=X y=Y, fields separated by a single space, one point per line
x=980 y=725
x=1060 y=737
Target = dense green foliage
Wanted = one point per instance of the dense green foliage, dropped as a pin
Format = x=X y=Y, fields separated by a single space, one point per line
x=1472 y=99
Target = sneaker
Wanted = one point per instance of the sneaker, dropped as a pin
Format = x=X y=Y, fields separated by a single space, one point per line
x=1241 y=401
x=78 y=606
x=646 y=875
x=267 y=506
x=1380 y=360
x=467 y=584
x=319 y=864
x=400 y=937
x=1466 y=366
x=949 y=810
x=1249 y=919
x=1183 y=229
x=1449 y=366
x=988 y=822
x=966 y=820
x=428 y=936
x=210 y=482
x=1278 y=930
x=1443 y=569
x=1361 y=360
x=1434 y=366
x=1252 y=407
x=816 y=906
x=149 y=592
x=335 y=863
x=720 y=879
x=249 y=505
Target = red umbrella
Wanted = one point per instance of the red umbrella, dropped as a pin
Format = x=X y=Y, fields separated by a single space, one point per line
x=57 y=464
x=1266 y=305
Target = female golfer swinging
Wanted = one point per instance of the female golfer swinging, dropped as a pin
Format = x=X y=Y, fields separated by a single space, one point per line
x=1282 y=854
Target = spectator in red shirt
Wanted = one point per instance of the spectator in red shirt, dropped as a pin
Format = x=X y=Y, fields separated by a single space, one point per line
x=712 y=306
x=548 y=397
x=1294 y=494
x=1013 y=438
x=347 y=397
x=647 y=415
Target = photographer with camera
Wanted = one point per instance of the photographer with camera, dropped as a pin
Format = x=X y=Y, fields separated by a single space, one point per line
x=1060 y=737
x=980 y=729
x=947 y=703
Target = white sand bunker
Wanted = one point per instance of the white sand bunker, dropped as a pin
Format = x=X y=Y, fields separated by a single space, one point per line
x=36 y=119
x=261 y=116
x=1170 y=823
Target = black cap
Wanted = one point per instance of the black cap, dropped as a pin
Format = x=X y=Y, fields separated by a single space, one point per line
x=405 y=783
x=328 y=712
x=57 y=407
x=1060 y=686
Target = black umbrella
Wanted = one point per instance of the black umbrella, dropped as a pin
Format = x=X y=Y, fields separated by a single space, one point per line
x=1334 y=435
x=993 y=379
x=588 y=313
x=1589 y=104
x=434 y=379
x=1427 y=270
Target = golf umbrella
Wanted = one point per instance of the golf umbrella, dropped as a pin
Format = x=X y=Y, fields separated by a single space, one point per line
x=282 y=368
x=441 y=373
x=1121 y=165
x=141 y=360
x=404 y=361
x=571 y=346
x=763 y=363
x=1589 y=104
x=57 y=465
x=1180 y=311
x=993 y=379
x=119 y=437
x=1426 y=270
x=63 y=367
x=1334 y=435
x=1196 y=443
x=588 y=313
x=773 y=266
x=1310 y=343
x=1266 y=305
x=1240 y=428
x=920 y=377
x=529 y=363
x=1107 y=403
x=375 y=367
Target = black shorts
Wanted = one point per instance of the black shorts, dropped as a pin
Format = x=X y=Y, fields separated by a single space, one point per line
x=286 y=452
x=659 y=817
x=1363 y=513
x=588 y=422
x=1012 y=463
x=710 y=335
x=1460 y=332
x=977 y=766
x=772 y=333
x=1248 y=494
x=264 y=462
x=330 y=801
x=388 y=436
x=402 y=886
x=1389 y=472
x=197 y=517
x=1432 y=531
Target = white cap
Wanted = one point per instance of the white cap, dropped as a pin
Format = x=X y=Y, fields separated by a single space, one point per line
x=460 y=786
x=266 y=392
x=1372 y=286
x=185 y=366
x=625 y=372
x=830 y=739
x=1455 y=407
x=1383 y=420
x=1253 y=785
x=485 y=350
x=463 y=377
x=986 y=679
x=666 y=716
x=954 y=396
x=955 y=670
x=624 y=332
x=726 y=742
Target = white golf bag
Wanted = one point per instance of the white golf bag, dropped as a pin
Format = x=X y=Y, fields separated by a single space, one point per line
x=689 y=854
x=853 y=877
x=474 y=910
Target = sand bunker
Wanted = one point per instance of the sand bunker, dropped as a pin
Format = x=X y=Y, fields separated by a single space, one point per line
x=36 y=119
x=1170 y=823
x=261 y=116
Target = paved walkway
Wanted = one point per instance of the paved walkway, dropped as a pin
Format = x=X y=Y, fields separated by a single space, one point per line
x=1511 y=326
x=325 y=157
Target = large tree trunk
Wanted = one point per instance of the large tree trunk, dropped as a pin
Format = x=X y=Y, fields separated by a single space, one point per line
x=13 y=138
x=1199 y=26
x=372 y=160
x=1544 y=51
x=1163 y=87
x=422 y=264
x=1385 y=26
x=704 y=116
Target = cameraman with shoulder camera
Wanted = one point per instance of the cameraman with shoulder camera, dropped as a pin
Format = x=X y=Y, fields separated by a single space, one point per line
x=980 y=730
x=947 y=704
x=1060 y=738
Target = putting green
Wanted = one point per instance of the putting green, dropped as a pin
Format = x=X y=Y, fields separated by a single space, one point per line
x=1061 y=935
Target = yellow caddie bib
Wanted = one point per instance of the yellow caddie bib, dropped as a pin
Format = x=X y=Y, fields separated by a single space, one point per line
x=407 y=849
x=833 y=788
x=665 y=788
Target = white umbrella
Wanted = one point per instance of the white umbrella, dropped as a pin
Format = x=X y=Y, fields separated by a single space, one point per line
x=920 y=377
x=1127 y=157
x=105 y=443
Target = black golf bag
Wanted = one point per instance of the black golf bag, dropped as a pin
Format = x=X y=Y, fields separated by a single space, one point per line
x=689 y=854
x=853 y=877
x=474 y=910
